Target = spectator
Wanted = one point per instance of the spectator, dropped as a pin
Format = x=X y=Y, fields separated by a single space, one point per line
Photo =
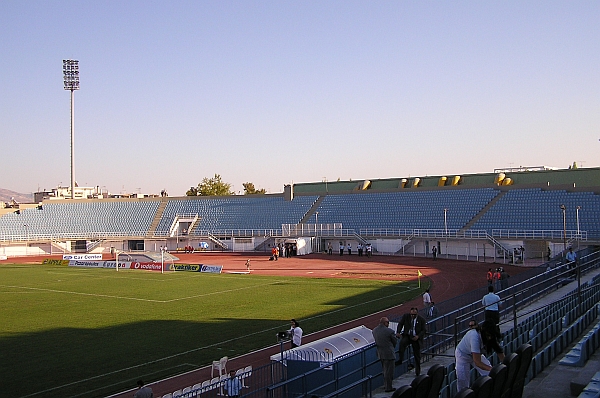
x=504 y=279
x=434 y=252
x=385 y=341
x=491 y=302
x=470 y=352
x=296 y=333
x=571 y=257
x=411 y=330
x=432 y=311
x=426 y=299
x=143 y=391
x=233 y=385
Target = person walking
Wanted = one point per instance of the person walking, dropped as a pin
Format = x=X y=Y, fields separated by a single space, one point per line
x=385 y=341
x=434 y=252
x=411 y=330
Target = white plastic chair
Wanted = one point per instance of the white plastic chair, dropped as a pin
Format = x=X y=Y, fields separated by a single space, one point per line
x=177 y=394
x=197 y=386
x=222 y=381
x=186 y=390
x=220 y=365
x=169 y=395
x=247 y=373
x=205 y=386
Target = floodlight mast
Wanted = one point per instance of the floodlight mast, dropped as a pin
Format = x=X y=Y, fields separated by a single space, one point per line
x=71 y=80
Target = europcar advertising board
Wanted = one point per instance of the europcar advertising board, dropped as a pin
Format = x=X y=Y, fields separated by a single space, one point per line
x=99 y=264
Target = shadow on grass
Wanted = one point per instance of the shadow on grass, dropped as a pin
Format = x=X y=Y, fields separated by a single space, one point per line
x=70 y=362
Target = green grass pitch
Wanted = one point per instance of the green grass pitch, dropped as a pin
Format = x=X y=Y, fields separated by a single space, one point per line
x=71 y=332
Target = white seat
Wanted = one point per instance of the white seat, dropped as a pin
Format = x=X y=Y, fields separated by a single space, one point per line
x=214 y=383
x=169 y=395
x=220 y=365
x=177 y=394
x=205 y=385
x=222 y=381
x=197 y=386
x=247 y=373
x=186 y=390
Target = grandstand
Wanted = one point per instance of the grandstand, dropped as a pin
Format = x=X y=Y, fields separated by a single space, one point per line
x=473 y=216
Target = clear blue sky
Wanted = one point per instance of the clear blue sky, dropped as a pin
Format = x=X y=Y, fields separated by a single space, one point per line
x=279 y=92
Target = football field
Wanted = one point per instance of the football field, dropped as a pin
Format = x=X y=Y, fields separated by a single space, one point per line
x=72 y=332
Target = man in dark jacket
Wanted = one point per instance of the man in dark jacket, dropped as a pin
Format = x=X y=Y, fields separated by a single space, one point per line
x=411 y=330
x=385 y=340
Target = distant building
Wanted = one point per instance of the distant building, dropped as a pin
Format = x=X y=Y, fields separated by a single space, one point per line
x=83 y=193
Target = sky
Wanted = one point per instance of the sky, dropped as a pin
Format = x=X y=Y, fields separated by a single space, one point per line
x=280 y=92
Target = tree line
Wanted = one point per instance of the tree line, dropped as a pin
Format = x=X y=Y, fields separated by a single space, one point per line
x=215 y=186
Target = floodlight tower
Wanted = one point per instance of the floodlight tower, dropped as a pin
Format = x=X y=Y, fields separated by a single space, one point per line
x=71 y=79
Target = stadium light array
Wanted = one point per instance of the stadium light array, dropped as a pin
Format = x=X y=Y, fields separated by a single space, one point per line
x=71 y=81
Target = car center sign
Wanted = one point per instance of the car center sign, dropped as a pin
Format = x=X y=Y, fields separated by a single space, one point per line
x=82 y=257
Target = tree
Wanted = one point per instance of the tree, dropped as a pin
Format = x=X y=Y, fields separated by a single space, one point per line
x=211 y=187
x=250 y=190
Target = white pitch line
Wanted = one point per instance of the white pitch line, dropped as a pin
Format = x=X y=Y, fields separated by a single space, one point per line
x=134 y=298
x=81 y=294
x=222 y=291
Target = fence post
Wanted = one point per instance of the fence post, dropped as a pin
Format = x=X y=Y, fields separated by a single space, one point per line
x=515 y=316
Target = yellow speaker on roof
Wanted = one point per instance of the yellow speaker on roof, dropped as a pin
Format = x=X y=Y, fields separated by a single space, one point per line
x=403 y=183
x=507 y=181
x=456 y=180
x=499 y=178
x=416 y=182
x=442 y=181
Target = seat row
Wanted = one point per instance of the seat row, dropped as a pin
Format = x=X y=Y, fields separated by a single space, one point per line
x=506 y=379
x=216 y=383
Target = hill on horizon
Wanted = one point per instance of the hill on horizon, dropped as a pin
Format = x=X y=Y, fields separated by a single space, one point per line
x=6 y=195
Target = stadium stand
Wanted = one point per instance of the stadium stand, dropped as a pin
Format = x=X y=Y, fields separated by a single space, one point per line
x=393 y=215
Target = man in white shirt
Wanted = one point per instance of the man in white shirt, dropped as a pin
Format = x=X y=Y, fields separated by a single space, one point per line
x=426 y=299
